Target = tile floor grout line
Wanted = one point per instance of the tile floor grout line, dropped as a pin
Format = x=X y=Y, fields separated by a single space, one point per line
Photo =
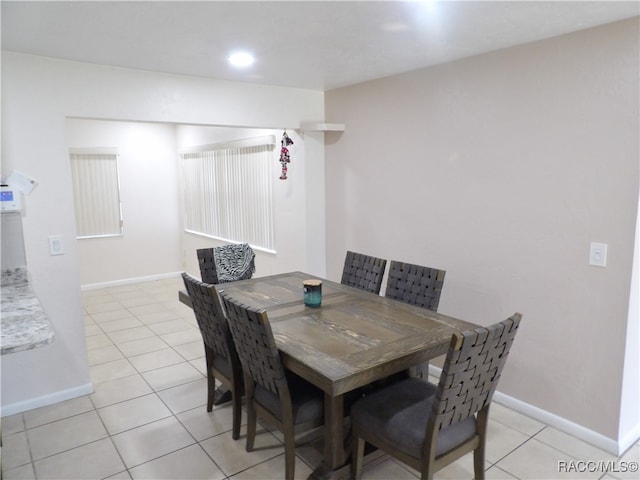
x=115 y=448
x=518 y=430
x=570 y=455
x=506 y=471
x=510 y=452
x=213 y=460
x=156 y=393
x=34 y=461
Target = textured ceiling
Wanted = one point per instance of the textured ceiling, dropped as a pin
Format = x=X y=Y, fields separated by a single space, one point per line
x=305 y=44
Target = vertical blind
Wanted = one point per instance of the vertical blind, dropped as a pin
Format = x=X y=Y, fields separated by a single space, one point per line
x=228 y=193
x=96 y=192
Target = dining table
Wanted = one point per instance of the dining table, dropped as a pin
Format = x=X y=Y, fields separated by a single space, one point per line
x=351 y=340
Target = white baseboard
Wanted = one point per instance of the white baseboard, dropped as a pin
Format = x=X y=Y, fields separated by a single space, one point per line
x=45 y=400
x=615 y=447
x=594 y=438
x=629 y=439
x=128 y=281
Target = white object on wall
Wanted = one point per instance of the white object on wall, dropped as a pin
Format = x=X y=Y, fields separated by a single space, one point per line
x=10 y=200
x=21 y=182
x=598 y=254
x=12 y=186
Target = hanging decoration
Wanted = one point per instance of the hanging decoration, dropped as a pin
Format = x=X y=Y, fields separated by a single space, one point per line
x=284 y=154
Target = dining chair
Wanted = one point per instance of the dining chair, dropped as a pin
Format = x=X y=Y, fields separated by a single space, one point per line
x=226 y=263
x=221 y=356
x=428 y=426
x=281 y=397
x=415 y=284
x=363 y=271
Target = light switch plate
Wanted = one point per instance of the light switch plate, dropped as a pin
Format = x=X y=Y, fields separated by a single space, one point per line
x=56 y=245
x=598 y=254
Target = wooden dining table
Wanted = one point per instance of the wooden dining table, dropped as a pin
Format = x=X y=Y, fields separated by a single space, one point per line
x=353 y=339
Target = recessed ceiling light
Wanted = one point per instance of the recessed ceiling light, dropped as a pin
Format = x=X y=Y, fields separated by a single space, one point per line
x=241 y=59
x=396 y=26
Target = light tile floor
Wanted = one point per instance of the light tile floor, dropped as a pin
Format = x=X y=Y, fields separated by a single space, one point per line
x=147 y=417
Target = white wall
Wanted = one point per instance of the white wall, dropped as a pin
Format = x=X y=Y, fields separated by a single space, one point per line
x=38 y=95
x=152 y=202
x=501 y=169
x=290 y=200
x=148 y=171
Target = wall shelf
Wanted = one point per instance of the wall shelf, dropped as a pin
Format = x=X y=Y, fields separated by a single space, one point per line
x=322 y=127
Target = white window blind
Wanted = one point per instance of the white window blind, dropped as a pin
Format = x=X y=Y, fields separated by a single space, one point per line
x=228 y=191
x=96 y=193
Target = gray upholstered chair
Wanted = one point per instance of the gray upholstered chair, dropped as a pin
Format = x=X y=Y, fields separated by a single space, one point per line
x=220 y=351
x=226 y=263
x=284 y=399
x=415 y=284
x=428 y=426
x=363 y=272
x=222 y=264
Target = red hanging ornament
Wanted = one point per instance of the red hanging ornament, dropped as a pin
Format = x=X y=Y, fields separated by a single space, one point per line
x=284 y=154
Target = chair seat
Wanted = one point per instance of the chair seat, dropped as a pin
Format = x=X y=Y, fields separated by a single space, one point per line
x=307 y=400
x=397 y=414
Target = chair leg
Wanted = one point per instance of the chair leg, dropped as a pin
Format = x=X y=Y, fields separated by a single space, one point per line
x=211 y=380
x=357 y=452
x=237 y=415
x=482 y=421
x=211 y=390
x=289 y=452
x=251 y=425
x=478 y=462
x=428 y=469
x=427 y=475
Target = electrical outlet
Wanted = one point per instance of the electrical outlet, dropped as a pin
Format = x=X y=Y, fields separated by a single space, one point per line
x=598 y=254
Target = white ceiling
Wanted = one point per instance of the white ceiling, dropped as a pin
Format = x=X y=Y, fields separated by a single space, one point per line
x=312 y=45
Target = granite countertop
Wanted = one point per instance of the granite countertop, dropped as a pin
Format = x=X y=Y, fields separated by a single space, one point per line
x=25 y=325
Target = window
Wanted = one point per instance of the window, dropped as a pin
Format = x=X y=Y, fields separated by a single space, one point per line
x=228 y=191
x=96 y=192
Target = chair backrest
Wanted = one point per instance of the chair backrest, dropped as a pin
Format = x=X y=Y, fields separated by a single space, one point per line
x=226 y=263
x=253 y=337
x=363 y=272
x=208 y=271
x=415 y=285
x=471 y=371
x=210 y=317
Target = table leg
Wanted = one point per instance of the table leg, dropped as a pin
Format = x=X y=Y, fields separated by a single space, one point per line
x=337 y=448
x=334 y=451
x=221 y=395
x=420 y=371
x=335 y=456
